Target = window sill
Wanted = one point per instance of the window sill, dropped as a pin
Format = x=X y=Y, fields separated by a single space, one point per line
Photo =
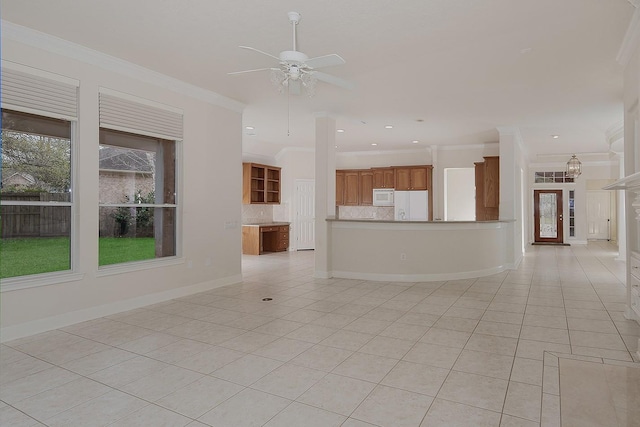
x=36 y=280
x=128 y=267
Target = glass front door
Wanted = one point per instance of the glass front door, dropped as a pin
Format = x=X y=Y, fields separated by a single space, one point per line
x=548 y=216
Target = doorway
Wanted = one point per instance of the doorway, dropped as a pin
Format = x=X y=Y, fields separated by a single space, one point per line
x=304 y=222
x=598 y=215
x=547 y=217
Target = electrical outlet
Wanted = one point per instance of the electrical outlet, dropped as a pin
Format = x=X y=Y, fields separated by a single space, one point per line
x=189 y=264
x=207 y=261
x=403 y=257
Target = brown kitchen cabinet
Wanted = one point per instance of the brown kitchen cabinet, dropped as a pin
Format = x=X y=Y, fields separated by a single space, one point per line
x=366 y=187
x=354 y=187
x=261 y=238
x=384 y=178
x=260 y=184
x=351 y=188
x=413 y=178
x=488 y=189
x=339 y=188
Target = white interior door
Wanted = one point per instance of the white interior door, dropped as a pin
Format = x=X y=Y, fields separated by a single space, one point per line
x=305 y=214
x=598 y=214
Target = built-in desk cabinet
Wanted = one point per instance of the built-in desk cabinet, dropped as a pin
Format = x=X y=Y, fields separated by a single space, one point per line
x=258 y=239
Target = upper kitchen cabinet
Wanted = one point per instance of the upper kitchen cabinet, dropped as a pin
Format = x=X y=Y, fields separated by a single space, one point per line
x=351 y=188
x=488 y=189
x=413 y=178
x=339 y=188
x=354 y=187
x=260 y=184
x=366 y=188
x=384 y=178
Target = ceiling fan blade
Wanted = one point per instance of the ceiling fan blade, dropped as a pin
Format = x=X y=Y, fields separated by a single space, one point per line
x=327 y=78
x=251 y=71
x=294 y=87
x=259 y=51
x=325 y=61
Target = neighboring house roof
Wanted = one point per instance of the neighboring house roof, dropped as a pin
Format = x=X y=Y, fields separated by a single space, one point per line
x=10 y=178
x=124 y=159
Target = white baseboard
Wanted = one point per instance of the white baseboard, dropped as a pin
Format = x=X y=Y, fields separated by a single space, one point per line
x=322 y=274
x=418 y=277
x=59 y=321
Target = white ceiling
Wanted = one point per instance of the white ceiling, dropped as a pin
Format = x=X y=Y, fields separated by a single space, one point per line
x=440 y=71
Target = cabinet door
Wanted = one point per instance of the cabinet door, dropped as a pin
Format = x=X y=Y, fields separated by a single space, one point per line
x=351 y=188
x=419 y=179
x=491 y=182
x=403 y=179
x=366 y=188
x=480 y=210
x=273 y=185
x=378 y=178
x=389 y=178
x=339 y=188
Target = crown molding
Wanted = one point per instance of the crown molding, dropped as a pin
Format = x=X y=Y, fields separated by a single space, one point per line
x=382 y=152
x=631 y=40
x=615 y=137
x=481 y=146
x=58 y=46
x=563 y=165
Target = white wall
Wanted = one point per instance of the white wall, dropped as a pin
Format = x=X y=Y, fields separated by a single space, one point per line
x=460 y=190
x=210 y=196
x=366 y=160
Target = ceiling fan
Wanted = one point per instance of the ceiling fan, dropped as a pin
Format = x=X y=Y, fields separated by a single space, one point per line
x=296 y=70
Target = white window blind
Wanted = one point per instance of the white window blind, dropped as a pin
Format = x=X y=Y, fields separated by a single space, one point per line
x=34 y=94
x=125 y=115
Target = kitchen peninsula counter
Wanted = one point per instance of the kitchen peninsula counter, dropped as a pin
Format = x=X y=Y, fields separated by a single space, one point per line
x=414 y=251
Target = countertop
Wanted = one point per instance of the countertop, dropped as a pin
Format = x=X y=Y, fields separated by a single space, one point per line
x=387 y=221
x=267 y=224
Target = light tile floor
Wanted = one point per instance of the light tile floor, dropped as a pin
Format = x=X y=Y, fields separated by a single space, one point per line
x=349 y=353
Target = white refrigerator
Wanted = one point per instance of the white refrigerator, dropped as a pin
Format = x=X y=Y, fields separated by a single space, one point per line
x=411 y=205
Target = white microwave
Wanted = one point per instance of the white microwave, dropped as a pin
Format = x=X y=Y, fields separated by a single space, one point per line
x=382 y=197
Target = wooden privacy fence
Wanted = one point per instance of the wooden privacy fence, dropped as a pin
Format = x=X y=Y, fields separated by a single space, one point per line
x=35 y=221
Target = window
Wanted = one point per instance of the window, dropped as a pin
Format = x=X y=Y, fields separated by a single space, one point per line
x=137 y=178
x=137 y=193
x=572 y=214
x=36 y=199
x=548 y=177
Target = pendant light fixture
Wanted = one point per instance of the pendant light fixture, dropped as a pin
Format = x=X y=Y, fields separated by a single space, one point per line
x=574 y=167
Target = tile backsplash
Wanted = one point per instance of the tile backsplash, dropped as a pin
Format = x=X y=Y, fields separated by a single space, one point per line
x=257 y=214
x=384 y=213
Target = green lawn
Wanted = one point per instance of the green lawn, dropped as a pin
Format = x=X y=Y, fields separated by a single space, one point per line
x=114 y=250
x=21 y=257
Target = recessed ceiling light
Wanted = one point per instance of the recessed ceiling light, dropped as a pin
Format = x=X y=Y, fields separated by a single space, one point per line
x=526 y=50
x=388 y=127
x=336 y=146
x=340 y=130
x=249 y=127
x=374 y=144
x=555 y=136
x=415 y=141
